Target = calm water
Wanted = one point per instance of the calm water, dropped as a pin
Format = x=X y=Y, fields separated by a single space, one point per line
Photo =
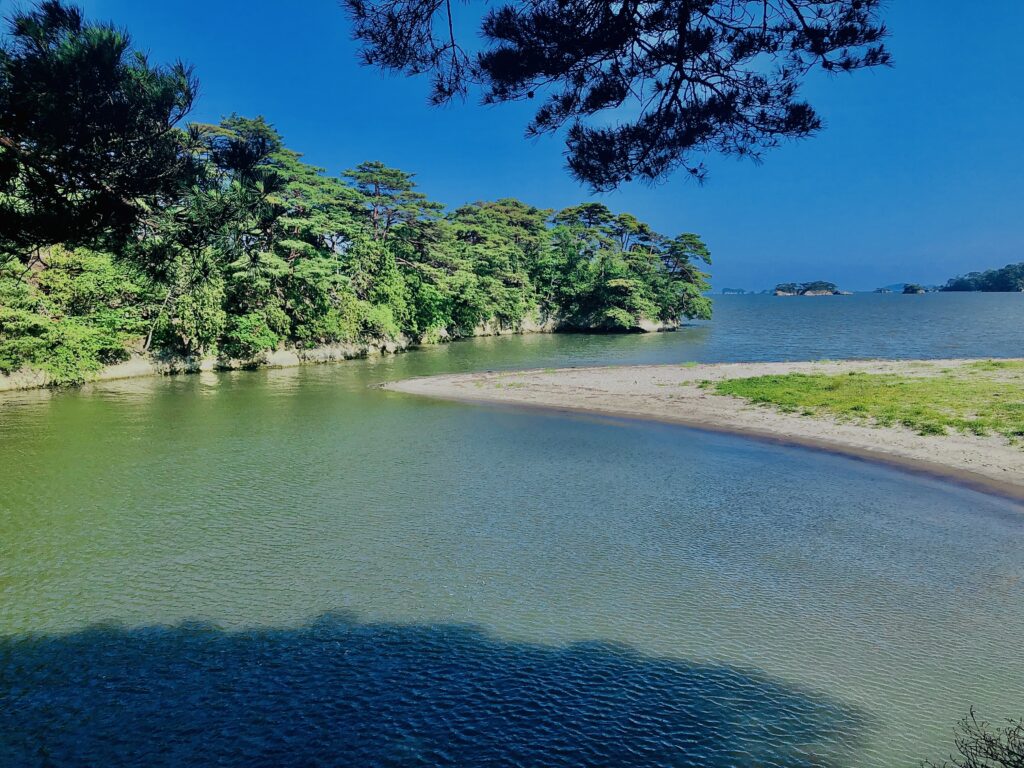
x=292 y=568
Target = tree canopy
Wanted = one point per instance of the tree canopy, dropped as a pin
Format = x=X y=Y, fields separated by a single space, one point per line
x=123 y=231
x=87 y=129
x=640 y=88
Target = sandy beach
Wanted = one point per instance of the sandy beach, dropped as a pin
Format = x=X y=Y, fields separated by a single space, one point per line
x=672 y=393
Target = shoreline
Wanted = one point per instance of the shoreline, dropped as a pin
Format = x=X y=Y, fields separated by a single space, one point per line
x=671 y=394
x=145 y=365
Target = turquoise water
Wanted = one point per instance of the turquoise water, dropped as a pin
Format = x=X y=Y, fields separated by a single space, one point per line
x=294 y=568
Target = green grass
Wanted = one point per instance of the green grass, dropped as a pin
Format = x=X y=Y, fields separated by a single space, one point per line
x=981 y=398
x=996 y=365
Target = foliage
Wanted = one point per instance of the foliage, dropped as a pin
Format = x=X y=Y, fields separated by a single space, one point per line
x=1010 y=278
x=982 y=745
x=391 y=201
x=87 y=131
x=980 y=399
x=639 y=88
x=248 y=247
x=611 y=272
x=71 y=318
x=246 y=336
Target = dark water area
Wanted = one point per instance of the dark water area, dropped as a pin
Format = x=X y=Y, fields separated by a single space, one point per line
x=338 y=692
x=292 y=567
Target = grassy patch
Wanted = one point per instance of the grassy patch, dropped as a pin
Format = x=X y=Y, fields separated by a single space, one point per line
x=966 y=399
x=996 y=365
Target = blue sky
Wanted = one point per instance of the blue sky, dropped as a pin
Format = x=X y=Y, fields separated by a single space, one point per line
x=918 y=175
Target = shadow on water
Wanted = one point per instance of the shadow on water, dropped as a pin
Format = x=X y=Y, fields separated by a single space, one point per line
x=343 y=693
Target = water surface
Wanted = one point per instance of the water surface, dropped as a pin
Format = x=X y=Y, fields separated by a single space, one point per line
x=294 y=568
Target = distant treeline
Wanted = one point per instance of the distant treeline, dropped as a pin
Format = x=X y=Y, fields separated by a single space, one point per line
x=1008 y=279
x=124 y=231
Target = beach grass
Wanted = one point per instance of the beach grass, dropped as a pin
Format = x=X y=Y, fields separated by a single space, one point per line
x=982 y=398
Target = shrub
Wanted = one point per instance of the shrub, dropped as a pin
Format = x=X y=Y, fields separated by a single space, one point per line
x=246 y=336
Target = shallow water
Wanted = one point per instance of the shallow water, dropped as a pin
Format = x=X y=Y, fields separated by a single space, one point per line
x=293 y=568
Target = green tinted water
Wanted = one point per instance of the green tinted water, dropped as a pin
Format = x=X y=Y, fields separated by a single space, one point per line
x=294 y=568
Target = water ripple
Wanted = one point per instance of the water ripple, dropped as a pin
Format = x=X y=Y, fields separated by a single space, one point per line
x=342 y=693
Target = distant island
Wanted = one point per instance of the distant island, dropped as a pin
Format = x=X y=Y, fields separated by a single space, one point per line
x=814 y=288
x=906 y=288
x=1009 y=279
x=745 y=292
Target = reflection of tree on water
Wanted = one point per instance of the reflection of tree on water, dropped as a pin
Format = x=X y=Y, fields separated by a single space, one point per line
x=338 y=692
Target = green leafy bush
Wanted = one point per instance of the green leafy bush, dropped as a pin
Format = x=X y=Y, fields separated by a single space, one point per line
x=377 y=321
x=246 y=336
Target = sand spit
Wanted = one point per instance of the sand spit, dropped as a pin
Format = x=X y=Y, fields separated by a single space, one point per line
x=672 y=393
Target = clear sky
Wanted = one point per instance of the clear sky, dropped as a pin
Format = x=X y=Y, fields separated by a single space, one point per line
x=918 y=175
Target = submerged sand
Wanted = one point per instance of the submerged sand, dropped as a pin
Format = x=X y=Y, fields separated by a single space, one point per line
x=672 y=393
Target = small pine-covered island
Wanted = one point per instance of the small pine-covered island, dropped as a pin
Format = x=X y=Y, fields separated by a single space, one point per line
x=813 y=288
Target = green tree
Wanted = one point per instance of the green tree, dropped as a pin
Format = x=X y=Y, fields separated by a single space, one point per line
x=613 y=272
x=684 y=285
x=87 y=131
x=498 y=242
x=212 y=247
x=81 y=312
x=317 y=219
x=392 y=201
